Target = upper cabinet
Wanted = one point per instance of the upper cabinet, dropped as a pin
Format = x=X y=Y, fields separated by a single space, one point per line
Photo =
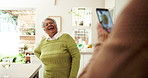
x=81 y=16
x=81 y=22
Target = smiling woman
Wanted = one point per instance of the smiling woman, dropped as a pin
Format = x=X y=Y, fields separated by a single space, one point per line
x=58 y=20
x=50 y=26
x=58 y=52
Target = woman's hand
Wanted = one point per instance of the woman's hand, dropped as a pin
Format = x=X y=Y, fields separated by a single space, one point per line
x=102 y=34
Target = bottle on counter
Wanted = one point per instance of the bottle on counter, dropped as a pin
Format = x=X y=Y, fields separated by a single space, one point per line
x=27 y=58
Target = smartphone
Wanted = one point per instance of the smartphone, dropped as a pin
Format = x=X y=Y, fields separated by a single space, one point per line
x=105 y=19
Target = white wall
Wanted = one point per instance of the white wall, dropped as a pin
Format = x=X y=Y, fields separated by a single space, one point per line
x=120 y=5
x=109 y=3
x=46 y=8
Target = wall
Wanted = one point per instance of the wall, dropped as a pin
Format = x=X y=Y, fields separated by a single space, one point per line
x=109 y=3
x=46 y=8
x=120 y=5
x=117 y=5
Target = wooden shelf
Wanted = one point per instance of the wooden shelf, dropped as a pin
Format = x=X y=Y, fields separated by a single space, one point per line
x=27 y=30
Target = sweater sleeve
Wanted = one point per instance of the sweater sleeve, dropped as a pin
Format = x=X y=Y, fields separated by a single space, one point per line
x=37 y=50
x=75 y=55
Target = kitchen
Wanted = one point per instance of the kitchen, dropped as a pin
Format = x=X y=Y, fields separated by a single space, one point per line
x=46 y=8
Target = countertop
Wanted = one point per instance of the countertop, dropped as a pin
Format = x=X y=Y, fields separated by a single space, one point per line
x=21 y=70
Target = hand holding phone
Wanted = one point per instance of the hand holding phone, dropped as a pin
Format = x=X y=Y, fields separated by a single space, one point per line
x=105 y=19
x=102 y=34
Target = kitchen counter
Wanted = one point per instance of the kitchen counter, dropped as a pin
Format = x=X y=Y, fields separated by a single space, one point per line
x=21 y=70
x=89 y=53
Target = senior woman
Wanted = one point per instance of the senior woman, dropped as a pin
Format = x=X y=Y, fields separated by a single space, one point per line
x=58 y=52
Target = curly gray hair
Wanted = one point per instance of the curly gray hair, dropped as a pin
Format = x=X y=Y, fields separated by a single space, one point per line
x=48 y=18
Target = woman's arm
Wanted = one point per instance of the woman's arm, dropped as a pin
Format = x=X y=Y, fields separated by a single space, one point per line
x=37 y=50
x=75 y=55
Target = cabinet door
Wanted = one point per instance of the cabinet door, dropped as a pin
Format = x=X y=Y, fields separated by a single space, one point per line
x=86 y=59
x=81 y=22
x=81 y=64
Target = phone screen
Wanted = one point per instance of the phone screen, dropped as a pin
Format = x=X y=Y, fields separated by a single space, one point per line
x=105 y=19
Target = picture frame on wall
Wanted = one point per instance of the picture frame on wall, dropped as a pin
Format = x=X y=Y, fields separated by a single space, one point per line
x=58 y=20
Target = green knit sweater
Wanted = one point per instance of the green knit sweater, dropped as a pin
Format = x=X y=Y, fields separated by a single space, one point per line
x=61 y=57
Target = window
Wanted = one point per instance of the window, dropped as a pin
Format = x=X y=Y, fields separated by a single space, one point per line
x=22 y=22
x=8 y=22
x=8 y=33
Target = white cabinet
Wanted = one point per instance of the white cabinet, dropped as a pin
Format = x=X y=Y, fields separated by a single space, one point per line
x=81 y=16
x=81 y=22
x=35 y=60
x=81 y=64
x=85 y=57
